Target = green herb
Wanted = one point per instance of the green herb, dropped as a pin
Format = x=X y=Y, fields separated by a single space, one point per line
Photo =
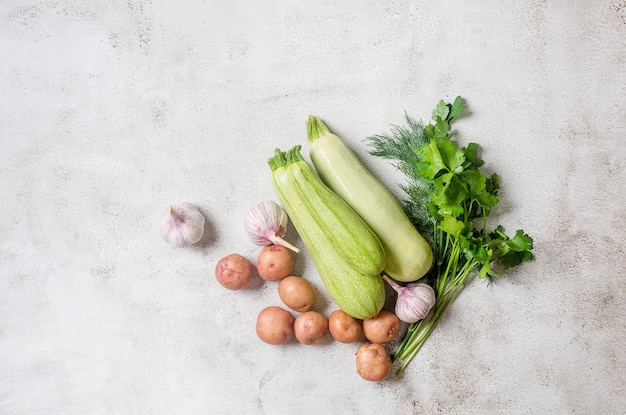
x=449 y=200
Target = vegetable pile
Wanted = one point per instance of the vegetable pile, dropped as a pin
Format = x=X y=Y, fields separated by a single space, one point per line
x=361 y=237
x=276 y=324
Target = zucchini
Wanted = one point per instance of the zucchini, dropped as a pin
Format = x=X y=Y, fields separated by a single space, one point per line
x=347 y=232
x=358 y=294
x=408 y=255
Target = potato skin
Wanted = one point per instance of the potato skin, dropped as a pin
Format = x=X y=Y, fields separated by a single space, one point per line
x=274 y=263
x=234 y=272
x=373 y=362
x=274 y=325
x=311 y=327
x=297 y=293
x=343 y=327
x=383 y=328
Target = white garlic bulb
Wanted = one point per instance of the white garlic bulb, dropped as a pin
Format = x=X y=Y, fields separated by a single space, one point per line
x=414 y=300
x=183 y=224
x=266 y=224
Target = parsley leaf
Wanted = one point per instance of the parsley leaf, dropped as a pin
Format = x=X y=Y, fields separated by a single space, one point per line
x=471 y=155
x=441 y=111
x=451 y=225
x=456 y=108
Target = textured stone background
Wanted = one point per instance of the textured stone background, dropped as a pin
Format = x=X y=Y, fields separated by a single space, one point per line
x=111 y=110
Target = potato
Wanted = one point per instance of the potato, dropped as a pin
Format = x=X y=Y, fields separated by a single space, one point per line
x=274 y=325
x=373 y=362
x=311 y=327
x=234 y=272
x=343 y=327
x=297 y=293
x=274 y=262
x=383 y=328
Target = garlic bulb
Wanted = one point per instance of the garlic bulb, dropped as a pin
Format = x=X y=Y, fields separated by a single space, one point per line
x=414 y=300
x=183 y=224
x=266 y=224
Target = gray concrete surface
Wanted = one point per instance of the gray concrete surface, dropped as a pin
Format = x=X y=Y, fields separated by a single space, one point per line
x=112 y=110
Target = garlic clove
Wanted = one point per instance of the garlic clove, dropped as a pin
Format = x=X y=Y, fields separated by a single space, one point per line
x=266 y=224
x=414 y=301
x=183 y=224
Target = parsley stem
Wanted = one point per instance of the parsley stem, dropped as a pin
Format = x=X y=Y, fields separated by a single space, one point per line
x=448 y=289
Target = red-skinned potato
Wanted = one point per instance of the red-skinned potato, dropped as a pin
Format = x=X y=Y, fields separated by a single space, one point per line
x=311 y=327
x=373 y=362
x=343 y=327
x=274 y=325
x=383 y=328
x=274 y=262
x=297 y=293
x=234 y=272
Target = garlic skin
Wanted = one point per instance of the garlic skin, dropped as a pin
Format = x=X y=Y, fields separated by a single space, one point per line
x=183 y=224
x=266 y=224
x=414 y=301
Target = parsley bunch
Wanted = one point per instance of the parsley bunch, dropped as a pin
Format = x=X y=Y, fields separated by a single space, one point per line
x=449 y=201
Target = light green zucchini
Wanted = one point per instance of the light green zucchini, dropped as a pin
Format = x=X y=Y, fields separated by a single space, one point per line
x=408 y=255
x=359 y=294
x=345 y=229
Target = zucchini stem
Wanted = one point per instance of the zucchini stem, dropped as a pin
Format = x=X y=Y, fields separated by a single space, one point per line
x=279 y=159
x=315 y=128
